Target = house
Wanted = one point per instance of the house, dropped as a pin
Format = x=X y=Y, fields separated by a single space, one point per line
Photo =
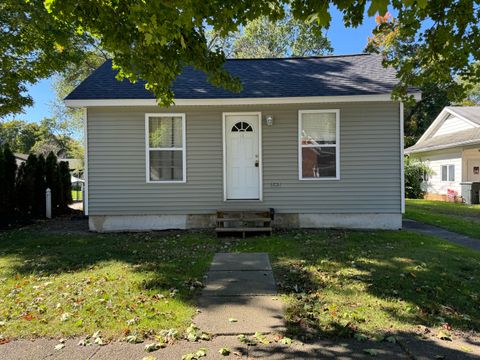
x=75 y=165
x=317 y=139
x=451 y=148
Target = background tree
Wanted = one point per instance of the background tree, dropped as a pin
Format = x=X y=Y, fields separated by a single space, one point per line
x=39 y=187
x=8 y=169
x=472 y=89
x=262 y=37
x=23 y=137
x=25 y=187
x=436 y=93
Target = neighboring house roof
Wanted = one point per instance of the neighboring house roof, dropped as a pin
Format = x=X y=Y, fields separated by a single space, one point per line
x=472 y=113
x=464 y=137
x=73 y=164
x=470 y=136
x=359 y=74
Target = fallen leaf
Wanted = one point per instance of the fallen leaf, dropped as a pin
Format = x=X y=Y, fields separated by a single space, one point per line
x=285 y=341
x=133 y=339
x=391 y=339
x=59 y=346
x=232 y=320
x=153 y=347
x=246 y=340
x=360 y=337
x=224 y=351
x=371 y=352
x=260 y=337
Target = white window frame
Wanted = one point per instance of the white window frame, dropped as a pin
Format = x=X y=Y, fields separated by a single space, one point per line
x=148 y=148
x=448 y=166
x=336 y=145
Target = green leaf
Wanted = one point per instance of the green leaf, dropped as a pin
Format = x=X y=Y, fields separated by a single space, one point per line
x=380 y=6
x=224 y=351
x=261 y=338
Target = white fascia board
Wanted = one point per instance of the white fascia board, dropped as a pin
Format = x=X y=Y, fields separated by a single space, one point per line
x=434 y=125
x=236 y=101
x=441 y=147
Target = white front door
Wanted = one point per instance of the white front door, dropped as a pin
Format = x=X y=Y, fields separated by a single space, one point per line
x=242 y=157
x=473 y=170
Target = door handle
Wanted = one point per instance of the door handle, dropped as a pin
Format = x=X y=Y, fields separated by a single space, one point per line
x=256 y=163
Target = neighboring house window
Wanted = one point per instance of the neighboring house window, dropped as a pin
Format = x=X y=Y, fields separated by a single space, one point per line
x=448 y=172
x=319 y=139
x=426 y=177
x=165 y=147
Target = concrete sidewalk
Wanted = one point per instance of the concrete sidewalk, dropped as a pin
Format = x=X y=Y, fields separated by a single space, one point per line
x=240 y=296
x=451 y=236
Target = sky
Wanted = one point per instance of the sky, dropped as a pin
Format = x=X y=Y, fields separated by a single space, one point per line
x=343 y=40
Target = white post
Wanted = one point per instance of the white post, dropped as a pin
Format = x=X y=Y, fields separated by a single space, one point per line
x=48 y=202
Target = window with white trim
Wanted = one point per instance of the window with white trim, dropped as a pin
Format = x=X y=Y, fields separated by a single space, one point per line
x=448 y=172
x=318 y=141
x=165 y=147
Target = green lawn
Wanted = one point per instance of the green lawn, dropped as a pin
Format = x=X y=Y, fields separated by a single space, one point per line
x=52 y=285
x=335 y=283
x=340 y=283
x=461 y=218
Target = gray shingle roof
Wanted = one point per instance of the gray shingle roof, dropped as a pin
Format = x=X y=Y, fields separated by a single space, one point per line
x=360 y=74
x=464 y=137
x=471 y=113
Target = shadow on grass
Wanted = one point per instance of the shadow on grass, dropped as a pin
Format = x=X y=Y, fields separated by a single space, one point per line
x=172 y=260
x=340 y=283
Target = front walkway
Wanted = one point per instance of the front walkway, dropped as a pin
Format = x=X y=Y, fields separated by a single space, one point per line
x=427 y=229
x=240 y=296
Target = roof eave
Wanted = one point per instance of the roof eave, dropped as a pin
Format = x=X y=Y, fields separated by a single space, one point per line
x=235 y=101
x=409 y=151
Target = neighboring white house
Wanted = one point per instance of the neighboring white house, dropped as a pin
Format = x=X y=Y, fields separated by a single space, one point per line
x=312 y=142
x=451 y=147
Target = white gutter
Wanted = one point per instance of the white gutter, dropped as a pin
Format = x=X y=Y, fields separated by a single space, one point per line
x=439 y=147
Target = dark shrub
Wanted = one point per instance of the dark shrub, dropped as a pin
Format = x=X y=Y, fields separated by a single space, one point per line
x=415 y=172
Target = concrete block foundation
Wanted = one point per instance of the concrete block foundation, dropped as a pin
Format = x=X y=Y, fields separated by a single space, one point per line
x=112 y=223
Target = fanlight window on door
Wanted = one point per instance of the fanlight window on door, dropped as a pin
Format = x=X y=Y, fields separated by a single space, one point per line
x=242 y=127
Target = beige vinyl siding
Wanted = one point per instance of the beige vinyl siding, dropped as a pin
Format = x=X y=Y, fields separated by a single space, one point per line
x=369 y=162
x=452 y=124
